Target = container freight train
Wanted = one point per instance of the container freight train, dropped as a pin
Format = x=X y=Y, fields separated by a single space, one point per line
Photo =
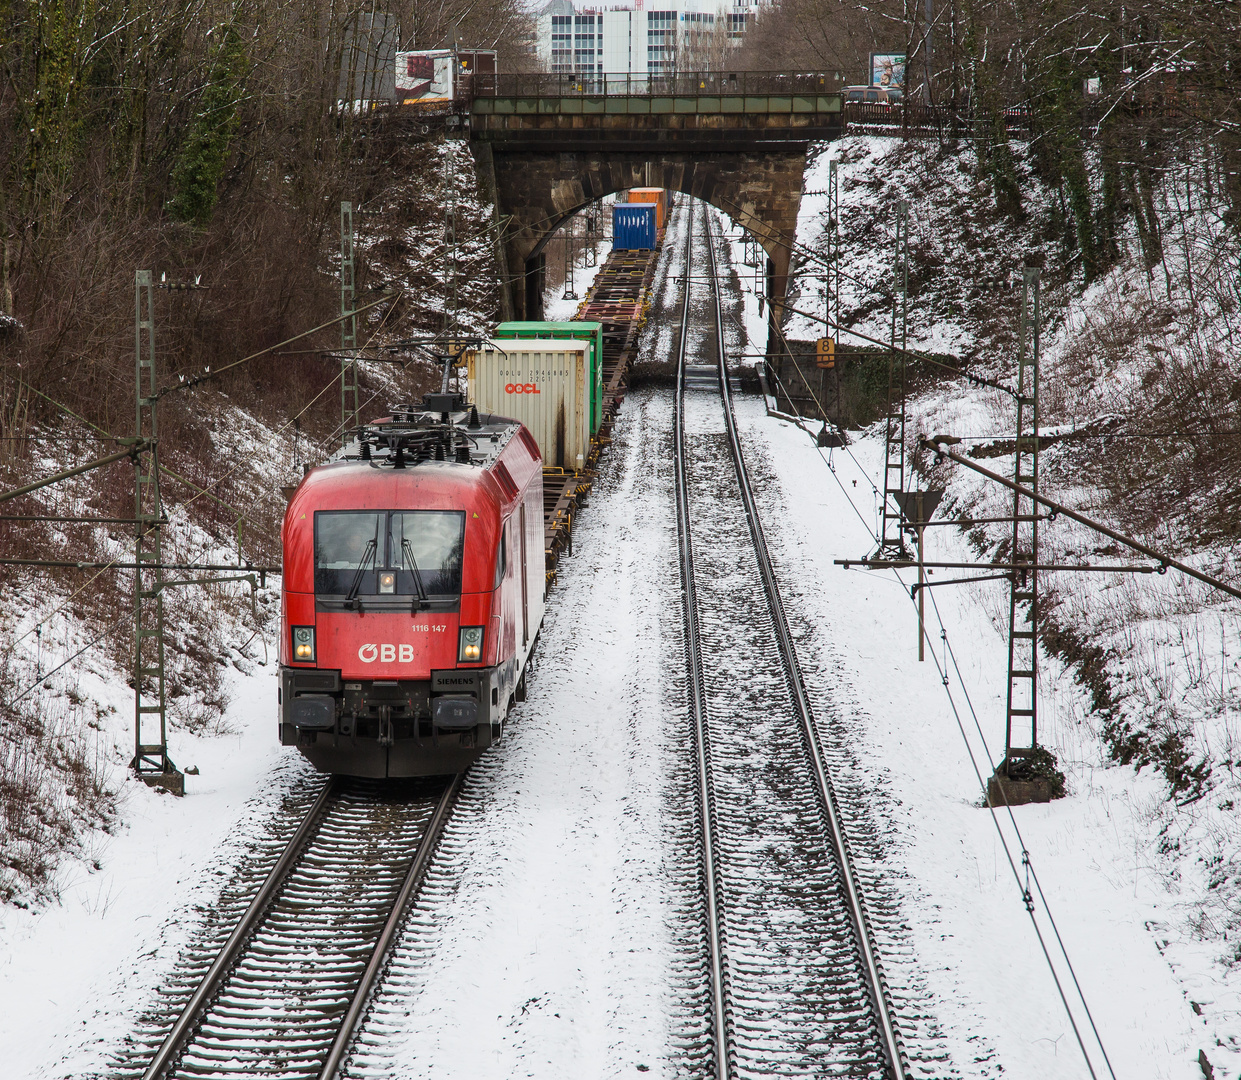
x=414 y=587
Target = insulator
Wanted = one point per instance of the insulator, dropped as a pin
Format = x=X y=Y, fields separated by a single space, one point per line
x=474 y=423
x=463 y=454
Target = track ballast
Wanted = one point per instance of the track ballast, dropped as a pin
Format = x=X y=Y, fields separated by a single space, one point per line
x=282 y=994
x=796 y=985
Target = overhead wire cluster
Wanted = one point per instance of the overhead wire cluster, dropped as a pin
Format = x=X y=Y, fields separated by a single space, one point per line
x=1022 y=865
x=199 y=492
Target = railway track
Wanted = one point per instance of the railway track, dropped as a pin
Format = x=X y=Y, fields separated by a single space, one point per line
x=796 y=986
x=283 y=994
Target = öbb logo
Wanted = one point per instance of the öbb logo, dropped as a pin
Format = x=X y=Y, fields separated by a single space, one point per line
x=386 y=654
x=522 y=388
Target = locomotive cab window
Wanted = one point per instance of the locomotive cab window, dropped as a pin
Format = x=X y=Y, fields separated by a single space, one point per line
x=501 y=558
x=390 y=556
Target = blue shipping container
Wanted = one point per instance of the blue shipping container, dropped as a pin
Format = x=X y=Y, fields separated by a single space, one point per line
x=633 y=226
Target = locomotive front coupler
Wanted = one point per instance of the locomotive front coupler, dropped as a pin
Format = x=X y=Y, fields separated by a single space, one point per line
x=386 y=736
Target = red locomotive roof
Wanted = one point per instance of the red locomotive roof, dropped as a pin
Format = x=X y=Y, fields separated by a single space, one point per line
x=482 y=490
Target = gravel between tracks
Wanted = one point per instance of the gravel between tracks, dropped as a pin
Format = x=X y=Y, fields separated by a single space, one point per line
x=556 y=933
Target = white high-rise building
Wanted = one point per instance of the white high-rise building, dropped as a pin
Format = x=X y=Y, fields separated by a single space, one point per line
x=670 y=35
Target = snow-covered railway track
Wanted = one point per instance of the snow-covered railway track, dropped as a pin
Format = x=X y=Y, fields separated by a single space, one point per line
x=796 y=984
x=282 y=995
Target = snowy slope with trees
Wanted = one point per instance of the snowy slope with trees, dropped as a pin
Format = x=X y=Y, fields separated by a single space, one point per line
x=1138 y=400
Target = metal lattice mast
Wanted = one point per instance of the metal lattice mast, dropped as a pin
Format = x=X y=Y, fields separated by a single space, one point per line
x=349 y=406
x=1021 y=728
x=891 y=540
x=592 y=236
x=570 y=260
x=832 y=278
x=151 y=760
x=450 y=184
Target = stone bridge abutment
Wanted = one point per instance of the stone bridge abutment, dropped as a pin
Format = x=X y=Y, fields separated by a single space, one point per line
x=549 y=145
x=537 y=192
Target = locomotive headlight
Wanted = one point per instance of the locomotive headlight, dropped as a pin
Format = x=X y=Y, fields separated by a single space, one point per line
x=387 y=581
x=471 y=645
x=304 y=644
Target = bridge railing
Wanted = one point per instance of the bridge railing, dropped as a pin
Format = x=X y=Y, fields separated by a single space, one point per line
x=1019 y=120
x=916 y=116
x=678 y=84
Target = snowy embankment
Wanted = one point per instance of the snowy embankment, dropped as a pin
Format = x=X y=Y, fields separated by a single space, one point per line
x=1136 y=861
x=565 y=878
x=118 y=898
x=995 y=1001
x=104 y=877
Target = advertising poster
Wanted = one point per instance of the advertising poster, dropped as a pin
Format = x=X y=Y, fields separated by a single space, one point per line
x=424 y=78
x=887 y=69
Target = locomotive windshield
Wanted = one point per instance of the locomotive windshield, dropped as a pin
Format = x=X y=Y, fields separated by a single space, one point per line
x=398 y=553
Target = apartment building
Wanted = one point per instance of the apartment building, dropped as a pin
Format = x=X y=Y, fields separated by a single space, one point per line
x=670 y=35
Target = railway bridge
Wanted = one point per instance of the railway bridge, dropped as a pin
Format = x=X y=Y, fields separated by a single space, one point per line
x=549 y=145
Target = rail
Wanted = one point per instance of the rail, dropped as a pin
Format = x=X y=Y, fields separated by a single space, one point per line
x=867 y=951
x=183 y=1027
x=374 y=967
x=184 y=1030
x=698 y=702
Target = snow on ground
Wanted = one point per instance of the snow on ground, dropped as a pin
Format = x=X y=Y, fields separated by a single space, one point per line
x=970 y=925
x=557 y=941
x=73 y=972
x=1116 y=351
x=556 y=305
x=560 y=953
x=560 y=302
x=1167 y=646
x=996 y=1000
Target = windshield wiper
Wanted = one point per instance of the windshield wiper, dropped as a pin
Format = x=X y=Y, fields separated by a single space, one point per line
x=351 y=598
x=407 y=552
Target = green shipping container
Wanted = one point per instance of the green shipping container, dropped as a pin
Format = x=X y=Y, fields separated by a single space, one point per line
x=580 y=331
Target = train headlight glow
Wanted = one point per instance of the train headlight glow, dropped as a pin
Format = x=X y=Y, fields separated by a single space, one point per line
x=304 y=644
x=470 y=650
x=387 y=581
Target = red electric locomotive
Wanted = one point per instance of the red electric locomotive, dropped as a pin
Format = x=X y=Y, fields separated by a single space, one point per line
x=413 y=592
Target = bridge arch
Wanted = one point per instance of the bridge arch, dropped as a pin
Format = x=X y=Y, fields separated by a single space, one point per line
x=536 y=192
x=762 y=236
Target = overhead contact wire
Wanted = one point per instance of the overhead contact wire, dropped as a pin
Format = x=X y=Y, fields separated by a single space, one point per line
x=1021 y=839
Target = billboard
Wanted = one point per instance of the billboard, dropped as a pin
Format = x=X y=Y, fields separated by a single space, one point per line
x=887 y=69
x=425 y=78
